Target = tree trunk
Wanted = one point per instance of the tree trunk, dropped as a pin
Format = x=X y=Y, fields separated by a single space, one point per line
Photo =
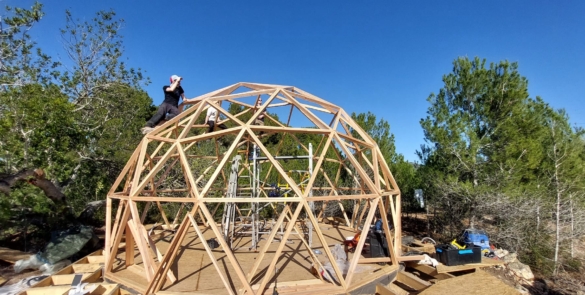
x=572 y=227
x=35 y=177
x=558 y=209
x=537 y=219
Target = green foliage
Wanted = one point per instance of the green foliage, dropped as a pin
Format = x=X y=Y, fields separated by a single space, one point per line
x=498 y=158
x=20 y=62
x=404 y=172
x=479 y=131
x=109 y=105
x=38 y=130
x=380 y=132
x=79 y=124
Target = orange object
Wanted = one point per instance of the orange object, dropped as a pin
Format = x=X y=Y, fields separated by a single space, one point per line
x=351 y=244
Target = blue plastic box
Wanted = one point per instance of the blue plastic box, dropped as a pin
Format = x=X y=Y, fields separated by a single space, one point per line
x=477 y=237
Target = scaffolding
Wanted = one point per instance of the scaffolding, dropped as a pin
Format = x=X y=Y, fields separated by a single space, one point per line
x=235 y=223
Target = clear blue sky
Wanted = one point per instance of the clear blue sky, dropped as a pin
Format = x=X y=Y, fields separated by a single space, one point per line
x=380 y=56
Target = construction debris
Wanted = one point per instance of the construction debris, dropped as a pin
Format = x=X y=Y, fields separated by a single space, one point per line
x=82 y=277
x=12 y=256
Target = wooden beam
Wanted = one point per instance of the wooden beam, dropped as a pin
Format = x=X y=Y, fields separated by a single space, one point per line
x=222 y=91
x=165 y=265
x=428 y=270
x=412 y=281
x=108 y=239
x=410 y=258
x=137 y=187
x=374 y=260
x=361 y=242
x=391 y=289
x=117 y=239
x=129 y=247
x=388 y=234
x=306 y=112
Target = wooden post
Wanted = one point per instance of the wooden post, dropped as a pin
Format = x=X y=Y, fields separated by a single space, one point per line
x=129 y=247
x=108 y=239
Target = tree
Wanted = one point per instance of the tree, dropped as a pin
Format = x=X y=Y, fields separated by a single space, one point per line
x=109 y=104
x=67 y=133
x=476 y=132
x=20 y=62
x=35 y=120
x=506 y=161
x=403 y=171
x=563 y=170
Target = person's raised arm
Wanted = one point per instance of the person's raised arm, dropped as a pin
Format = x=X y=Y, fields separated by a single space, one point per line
x=174 y=85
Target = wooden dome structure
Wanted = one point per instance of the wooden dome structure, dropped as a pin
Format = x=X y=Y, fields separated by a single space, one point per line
x=221 y=184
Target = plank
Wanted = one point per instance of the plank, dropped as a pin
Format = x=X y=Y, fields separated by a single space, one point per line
x=104 y=289
x=67 y=279
x=412 y=281
x=89 y=267
x=410 y=258
x=386 y=270
x=383 y=290
x=126 y=282
x=52 y=290
x=392 y=289
x=485 y=262
x=12 y=256
x=374 y=260
x=129 y=247
x=170 y=256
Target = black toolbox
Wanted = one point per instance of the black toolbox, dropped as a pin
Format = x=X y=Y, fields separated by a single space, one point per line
x=450 y=256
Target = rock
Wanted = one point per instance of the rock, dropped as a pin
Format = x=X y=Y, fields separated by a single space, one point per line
x=512 y=257
x=521 y=270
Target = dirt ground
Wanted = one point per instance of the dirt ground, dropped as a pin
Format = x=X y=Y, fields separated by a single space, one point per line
x=477 y=283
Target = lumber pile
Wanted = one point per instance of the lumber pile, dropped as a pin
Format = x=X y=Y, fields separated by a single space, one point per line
x=12 y=256
x=88 y=270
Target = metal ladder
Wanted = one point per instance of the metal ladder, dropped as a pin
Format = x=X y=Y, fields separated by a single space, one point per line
x=229 y=212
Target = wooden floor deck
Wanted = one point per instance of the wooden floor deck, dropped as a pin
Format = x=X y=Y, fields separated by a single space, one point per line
x=195 y=272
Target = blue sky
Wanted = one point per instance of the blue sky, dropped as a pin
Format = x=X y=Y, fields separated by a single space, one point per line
x=380 y=56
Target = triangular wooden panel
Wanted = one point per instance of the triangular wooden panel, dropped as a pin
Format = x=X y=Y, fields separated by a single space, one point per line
x=239 y=202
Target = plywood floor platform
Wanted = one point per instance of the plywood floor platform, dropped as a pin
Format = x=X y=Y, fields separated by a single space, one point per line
x=196 y=273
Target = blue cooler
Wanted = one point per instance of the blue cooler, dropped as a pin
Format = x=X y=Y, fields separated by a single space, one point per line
x=477 y=237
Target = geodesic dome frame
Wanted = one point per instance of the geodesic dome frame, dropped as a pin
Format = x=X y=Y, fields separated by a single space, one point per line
x=205 y=176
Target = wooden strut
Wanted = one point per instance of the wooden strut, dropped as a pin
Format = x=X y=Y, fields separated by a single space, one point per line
x=342 y=144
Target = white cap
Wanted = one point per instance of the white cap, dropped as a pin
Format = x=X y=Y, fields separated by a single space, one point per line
x=174 y=78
